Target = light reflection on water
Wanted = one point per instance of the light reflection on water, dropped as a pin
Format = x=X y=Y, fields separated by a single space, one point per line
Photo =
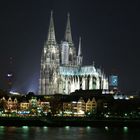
x=68 y=133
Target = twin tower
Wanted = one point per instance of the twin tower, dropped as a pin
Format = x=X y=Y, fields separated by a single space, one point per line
x=61 y=67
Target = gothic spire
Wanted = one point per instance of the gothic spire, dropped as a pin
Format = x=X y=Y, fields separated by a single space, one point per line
x=51 y=32
x=79 y=49
x=79 y=57
x=68 y=36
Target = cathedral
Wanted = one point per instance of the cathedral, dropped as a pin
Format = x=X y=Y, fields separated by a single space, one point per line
x=62 y=71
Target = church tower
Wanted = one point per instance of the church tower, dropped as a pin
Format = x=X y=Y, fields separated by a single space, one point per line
x=61 y=67
x=68 y=52
x=79 y=57
x=48 y=83
x=68 y=35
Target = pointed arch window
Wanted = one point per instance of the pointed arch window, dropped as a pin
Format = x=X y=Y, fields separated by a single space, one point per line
x=52 y=55
x=70 y=57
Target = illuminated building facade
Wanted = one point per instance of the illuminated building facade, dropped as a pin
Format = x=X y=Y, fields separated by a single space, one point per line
x=80 y=107
x=61 y=67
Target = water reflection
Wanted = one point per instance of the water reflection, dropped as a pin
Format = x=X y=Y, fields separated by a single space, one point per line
x=67 y=127
x=125 y=129
x=67 y=133
x=88 y=128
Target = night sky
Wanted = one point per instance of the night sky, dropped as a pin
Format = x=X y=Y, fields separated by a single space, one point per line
x=110 y=32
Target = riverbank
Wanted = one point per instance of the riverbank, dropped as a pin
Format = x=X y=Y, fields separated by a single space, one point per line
x=67 y=121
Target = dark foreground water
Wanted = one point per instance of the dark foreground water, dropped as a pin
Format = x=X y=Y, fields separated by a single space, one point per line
x=68 y=133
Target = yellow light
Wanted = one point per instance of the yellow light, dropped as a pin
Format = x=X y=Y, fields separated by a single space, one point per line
x=131 y=97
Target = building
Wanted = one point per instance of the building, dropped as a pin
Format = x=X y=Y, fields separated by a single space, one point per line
x=79 y=107
x=10 y=105
x=91 y=105
x=61 y=67
x=24 y=106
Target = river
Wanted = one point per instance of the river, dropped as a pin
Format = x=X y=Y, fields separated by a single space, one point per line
x=68 y=133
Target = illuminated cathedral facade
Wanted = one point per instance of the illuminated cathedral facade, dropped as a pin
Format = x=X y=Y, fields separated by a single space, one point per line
x=61 y=66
